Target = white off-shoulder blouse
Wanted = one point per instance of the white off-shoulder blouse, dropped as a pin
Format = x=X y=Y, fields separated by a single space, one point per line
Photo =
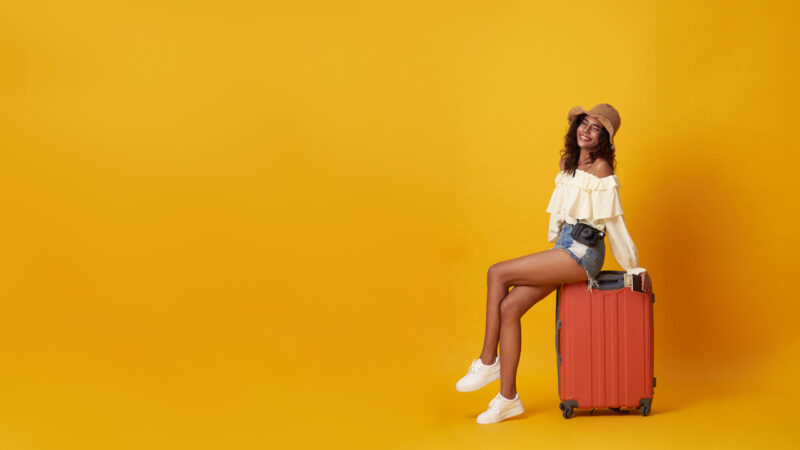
x=590 y=199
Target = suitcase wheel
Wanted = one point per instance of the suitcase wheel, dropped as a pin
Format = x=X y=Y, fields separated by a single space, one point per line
x=567 y=410
x=644 y=406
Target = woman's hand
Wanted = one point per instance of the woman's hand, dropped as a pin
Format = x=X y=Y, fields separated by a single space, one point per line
x=638 y=280
x=642 y=283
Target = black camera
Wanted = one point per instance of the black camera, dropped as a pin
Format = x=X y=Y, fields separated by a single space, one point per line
x=586 y=234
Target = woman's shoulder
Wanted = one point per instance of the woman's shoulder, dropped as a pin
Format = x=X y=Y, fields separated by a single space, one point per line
x=601 y=168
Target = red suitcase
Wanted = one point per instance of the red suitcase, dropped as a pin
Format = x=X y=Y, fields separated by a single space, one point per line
x=604 y=345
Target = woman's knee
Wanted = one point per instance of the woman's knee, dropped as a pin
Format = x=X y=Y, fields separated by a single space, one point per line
x=510 y=310
x=521 y=299
x=495 y=274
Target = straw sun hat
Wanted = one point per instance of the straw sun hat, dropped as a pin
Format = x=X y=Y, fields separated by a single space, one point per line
x=605 y=113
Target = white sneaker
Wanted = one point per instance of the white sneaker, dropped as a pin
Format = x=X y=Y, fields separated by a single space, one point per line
x=501 y=408
x=479 y=375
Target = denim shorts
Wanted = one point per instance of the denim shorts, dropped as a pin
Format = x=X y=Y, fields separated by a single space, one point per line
x=590 y=258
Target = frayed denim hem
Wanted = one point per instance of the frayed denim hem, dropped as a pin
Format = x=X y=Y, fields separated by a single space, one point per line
x=591 y=281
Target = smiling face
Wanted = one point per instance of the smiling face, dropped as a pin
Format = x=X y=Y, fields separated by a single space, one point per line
x=589 y=132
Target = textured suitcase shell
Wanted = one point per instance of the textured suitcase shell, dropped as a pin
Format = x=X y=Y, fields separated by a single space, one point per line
x=604 y=345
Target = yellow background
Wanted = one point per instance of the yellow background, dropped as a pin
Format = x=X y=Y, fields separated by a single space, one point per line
x=253 y=225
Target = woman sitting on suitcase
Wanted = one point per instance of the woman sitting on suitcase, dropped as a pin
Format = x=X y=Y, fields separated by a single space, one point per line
x=586 y=197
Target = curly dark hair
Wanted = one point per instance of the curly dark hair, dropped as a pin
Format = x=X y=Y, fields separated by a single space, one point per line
x=571 y=152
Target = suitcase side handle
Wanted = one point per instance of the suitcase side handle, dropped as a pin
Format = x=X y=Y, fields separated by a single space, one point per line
x=610 y=280
x=558 y=333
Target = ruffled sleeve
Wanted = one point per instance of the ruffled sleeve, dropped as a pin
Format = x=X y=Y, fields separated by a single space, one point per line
x=625 y=251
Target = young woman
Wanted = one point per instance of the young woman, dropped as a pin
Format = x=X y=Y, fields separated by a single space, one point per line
x=587 y=191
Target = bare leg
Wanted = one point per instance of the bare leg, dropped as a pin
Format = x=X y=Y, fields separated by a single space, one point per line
x=533 y=277
x=496 y=291
x=512 y=308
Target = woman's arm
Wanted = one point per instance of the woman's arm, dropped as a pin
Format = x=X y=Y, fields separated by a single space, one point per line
x=625 y=251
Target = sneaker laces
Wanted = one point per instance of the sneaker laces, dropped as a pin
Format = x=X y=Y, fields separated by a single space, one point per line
x=477 y=364
x=501 y=398
x=495 y=403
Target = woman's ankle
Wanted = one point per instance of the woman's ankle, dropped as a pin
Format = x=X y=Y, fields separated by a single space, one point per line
x=492 y=360
x=509 y=397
